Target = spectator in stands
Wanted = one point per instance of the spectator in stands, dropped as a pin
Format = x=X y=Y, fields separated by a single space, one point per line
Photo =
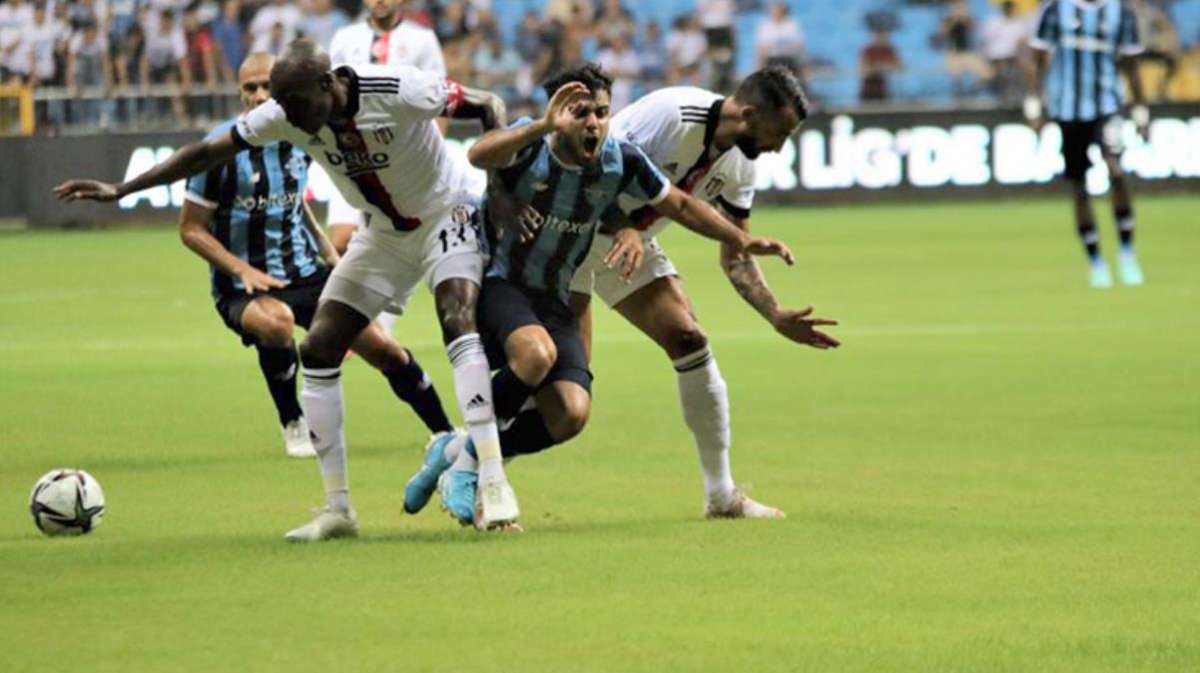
x=89 y=68
x=614 y=20
x=780 y=41
x=528 y=44
x=1003 y=36
x=84 y=12
x=496 y=68
x=202 y=50
x=568 y=11
x=1160 y=61
x=622 y=63
x=686 y=47
x=954 y=35
x=877 y=60
x=122 y=17
x=263 y=31
x=652 y=49
x=41 y=45
x=231 y=39
x=716 y=18
x=15 y=18
x=128 y=58
x=164 y=60
x=322 y=21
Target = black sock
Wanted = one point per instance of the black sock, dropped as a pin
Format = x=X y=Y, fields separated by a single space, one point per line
x=1090 y=238
x=508 y=393
x=527 y=434
x=411 y=385
x=279 y=367
x=1125 y=226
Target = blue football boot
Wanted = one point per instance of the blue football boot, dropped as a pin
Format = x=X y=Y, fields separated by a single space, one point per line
x=457 y=488
x=421 y=486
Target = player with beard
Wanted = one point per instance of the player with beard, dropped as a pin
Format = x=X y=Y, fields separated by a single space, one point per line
x=371 y=128
x=705 y=143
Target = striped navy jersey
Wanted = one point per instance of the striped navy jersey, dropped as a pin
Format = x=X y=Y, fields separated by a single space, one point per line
x=571 y=201
x=1087 y=38
x=259 y=216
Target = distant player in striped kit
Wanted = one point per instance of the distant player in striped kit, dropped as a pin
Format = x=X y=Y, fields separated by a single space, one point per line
x=270 y=261
x=1079 y=46
x=371 y=128
x=570 y=171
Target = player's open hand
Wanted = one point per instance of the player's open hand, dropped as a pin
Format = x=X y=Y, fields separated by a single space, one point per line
x=74 y=190
x=801 y=327
x=510 y=217
x=768 y=247
x=257 y=281
x=559 y=111
x=627 y=246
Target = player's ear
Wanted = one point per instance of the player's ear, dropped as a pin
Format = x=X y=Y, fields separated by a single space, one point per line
x=749 y=112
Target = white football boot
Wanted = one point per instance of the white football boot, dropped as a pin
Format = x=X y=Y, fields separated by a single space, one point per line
x=329 y=524
x=296 y=440
x=741 y=506
x=496 y=504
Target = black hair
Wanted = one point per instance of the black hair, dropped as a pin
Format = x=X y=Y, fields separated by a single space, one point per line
x=589 y=74
x=774 y=88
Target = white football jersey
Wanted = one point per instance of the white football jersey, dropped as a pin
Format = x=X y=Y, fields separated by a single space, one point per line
x=389 y=159
x=675 y=127
x=408 y=43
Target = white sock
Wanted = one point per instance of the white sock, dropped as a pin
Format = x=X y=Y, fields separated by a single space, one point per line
x=321 y=399
x=386 y=321
x=705 y=401
x=473 y=386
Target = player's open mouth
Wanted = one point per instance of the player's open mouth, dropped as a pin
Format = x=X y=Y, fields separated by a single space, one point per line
x=590 y=143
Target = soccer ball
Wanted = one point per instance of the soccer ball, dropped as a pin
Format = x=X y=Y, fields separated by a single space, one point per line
x=66 y=502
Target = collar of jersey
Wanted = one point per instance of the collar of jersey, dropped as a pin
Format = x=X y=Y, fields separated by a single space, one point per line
x=710 y=126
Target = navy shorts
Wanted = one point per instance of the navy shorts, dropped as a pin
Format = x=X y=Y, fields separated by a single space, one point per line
x=504 y=307
x=1078 y=137
x=301 y=296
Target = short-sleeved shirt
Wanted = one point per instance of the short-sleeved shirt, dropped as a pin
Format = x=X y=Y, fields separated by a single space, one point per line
x=675 y=128
x=571 y=200
x=408 y=43
x=1086 y=38
x=388 y=158
x=257 y=200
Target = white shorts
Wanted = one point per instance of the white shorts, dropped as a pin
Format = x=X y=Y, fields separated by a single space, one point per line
x=382 y=268
x=340 y=212
x=593 y=276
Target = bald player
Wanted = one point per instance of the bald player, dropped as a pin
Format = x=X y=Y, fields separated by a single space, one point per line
x=247 y=218
x=371 y=127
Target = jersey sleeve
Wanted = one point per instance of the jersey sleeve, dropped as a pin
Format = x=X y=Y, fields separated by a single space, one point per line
x=431 y=58
x=263 y=125
x=427 y=93
x=1047 y=30
x=642 y=180
x=651 y=123
x=737 y=198
x=1129 y=42
x=337 y=47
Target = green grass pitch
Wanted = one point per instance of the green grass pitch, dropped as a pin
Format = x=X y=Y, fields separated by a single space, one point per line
x=999 y=471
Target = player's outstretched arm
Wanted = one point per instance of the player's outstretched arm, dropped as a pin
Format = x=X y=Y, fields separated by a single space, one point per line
x=185 y=162
x=706 y=221
x=747 y=278
x=485 y=106
x=499 y=147
x=194 y=220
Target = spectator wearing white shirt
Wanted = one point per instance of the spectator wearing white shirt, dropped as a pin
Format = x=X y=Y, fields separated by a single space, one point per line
x=164 y=60
x=89 y=71
x=282 y=13
x=40 y=46
x=622 y=63
x=322 y=21
x=780 y=40
x=1002 y=36
x=716 y=18
x=15 y=18
x=686 y=47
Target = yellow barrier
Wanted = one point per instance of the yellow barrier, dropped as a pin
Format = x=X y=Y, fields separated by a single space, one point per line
x=24 y=96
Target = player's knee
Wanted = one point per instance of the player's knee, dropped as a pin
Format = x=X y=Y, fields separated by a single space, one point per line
x=457 y=318
x=278 y=330
x=532 y=357
x=686 y=340
x=571 y=421
x=319 y=353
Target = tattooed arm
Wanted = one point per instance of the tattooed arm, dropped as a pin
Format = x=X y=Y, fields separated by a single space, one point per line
x=747 y=278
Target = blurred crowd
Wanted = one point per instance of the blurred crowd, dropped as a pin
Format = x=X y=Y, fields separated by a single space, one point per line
x=141 y=60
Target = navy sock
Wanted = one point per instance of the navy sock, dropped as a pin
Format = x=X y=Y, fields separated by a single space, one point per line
x=527 y=434
x=279 y=367
x=508 y=393
x=1090 y=239
x=1125 y=227
x=412 y=385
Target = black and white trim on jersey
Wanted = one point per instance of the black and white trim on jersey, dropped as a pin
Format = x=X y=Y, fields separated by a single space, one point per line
x=694 y=114
x=379 y=85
